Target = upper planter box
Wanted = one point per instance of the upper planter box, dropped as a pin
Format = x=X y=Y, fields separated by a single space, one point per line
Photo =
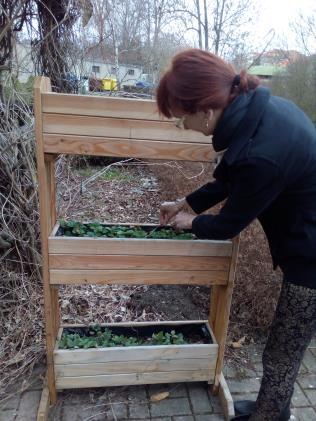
x=77 y=260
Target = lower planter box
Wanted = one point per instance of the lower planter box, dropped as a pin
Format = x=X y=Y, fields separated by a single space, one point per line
x=122 y=366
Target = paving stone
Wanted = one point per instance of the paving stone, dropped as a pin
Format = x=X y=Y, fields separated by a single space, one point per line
x=77 y=412
x=309 y=361
x=175 y=406
x=161 y=419
x=311 y=394
x=199 y=399
x=8 y=415
x=307 y=382
x=302 y=369
x=313 y=343
x=243 y=385
x=215 y=403
x=259 y=369
x=139 y=411
x=313 y=351
x=304 y=414
x=244 y=396
x=184 y=418
x=299 y=398
x=116 y=411
x=137 y=393
x=55 y=412
x=211 y=417
x=177 y=390
x=29 y=405
x=11 y=403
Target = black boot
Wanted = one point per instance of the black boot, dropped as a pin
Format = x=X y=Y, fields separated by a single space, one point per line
x=245 y=408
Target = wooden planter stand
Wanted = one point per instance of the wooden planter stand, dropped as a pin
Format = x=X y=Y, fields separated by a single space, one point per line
x=103 y=126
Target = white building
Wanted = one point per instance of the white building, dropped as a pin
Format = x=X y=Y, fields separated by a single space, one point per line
x=91 y=68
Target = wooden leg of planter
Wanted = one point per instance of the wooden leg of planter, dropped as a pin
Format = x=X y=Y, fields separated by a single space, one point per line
x=220 y=317
x=55 y=309
x=213 y=306
x=226 y=399
x=43 y=408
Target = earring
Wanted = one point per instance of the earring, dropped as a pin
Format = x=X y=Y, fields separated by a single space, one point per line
x=206 y=123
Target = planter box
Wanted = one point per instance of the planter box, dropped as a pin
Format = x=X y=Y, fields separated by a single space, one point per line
x=122 y=366
x=77 y=260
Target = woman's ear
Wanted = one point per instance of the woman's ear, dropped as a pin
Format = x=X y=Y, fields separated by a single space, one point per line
x=209 y=114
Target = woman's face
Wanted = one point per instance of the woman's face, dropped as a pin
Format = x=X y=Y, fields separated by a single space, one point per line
x=200 y=121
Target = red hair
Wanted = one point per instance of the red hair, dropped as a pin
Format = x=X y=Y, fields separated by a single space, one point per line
x=198 y=81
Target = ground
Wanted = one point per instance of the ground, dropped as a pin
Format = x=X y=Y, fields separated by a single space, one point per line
x=186 y=401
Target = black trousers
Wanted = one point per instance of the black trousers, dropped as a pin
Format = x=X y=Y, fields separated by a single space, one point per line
x=291 y=331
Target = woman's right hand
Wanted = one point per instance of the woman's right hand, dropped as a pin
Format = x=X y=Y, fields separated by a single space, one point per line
x=170 y=209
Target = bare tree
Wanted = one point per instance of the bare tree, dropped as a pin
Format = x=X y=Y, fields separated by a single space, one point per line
x=305 y=29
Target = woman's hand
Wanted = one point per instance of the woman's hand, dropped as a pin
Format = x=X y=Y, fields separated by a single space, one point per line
x=169 y=209
x=183 y=220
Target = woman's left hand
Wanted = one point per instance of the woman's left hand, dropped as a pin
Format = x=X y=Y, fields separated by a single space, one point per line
x=182 y=220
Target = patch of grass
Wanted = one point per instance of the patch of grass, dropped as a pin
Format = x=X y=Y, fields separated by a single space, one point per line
x=86 y=172
x=109 y=175
x=116 y=174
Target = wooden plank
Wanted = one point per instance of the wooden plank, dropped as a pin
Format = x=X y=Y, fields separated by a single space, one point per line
x=100 y=106
x=122 y=147
x=226 y=399
x=132 y=379
x=43 y=408
x=75 y=261
x=132 y=324
x=129 y=367
x=43 y=85
x=115 y=127
x=222 y=313
x=135 y=246
x=135 y=353
x=137 y=277
x=50 y=191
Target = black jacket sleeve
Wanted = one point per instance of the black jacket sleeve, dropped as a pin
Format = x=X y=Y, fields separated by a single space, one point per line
x=207 y=196
x=255 y=184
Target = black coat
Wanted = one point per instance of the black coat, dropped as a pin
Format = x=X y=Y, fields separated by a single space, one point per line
x=268 y=172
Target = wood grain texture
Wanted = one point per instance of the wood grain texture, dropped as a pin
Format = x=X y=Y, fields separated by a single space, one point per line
x=137 y=277
x=46 y=223
x=119 y=128
x=224 y=298
x=132 y=379
x=136 y=353
x=134 y=148
x=226 y=399
x=135 y=246
x=130 y=367
x=198 y=263
x=88 y=105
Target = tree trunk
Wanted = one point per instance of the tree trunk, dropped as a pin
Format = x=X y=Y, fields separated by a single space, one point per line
x=205 y=27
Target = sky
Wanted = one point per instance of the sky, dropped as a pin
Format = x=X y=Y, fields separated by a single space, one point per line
x=277 y=14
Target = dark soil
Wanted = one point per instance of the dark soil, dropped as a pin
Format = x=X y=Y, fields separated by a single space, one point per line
x=176 y=302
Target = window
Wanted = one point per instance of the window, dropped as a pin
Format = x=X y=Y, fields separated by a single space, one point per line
x=131 y=72
x=96 y=69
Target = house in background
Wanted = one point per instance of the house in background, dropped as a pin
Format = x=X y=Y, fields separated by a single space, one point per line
x=85 y=67
x=265 y=71
x=272 y=62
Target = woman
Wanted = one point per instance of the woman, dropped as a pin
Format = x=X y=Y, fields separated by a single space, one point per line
x=268 y=171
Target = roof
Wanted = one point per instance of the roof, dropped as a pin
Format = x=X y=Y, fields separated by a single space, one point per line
x=265 y=70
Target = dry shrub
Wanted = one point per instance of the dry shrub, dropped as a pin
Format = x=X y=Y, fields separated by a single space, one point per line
x=256 y=284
